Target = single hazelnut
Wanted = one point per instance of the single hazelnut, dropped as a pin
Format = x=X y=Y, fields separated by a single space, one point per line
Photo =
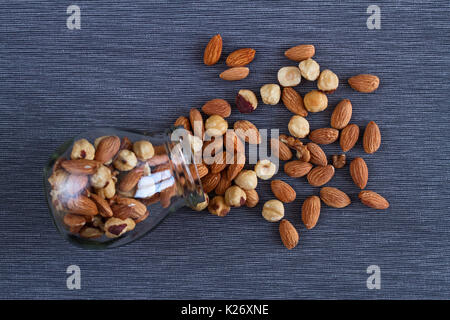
x=215 y=126
x=289 y=76
x=90 y=233
x=265 y=169
x=247 y=179
x=309 y=69
x=270 y=93
x=235 y=196
x=298 y=126
x=328 y=81
x=218 y=207
x=246 y=101
x=125 y=161
x=143 y=150
x=315 y=101
x=82 y=149
x=273 y=210
x=115 y=227
x=202 y=205
x=101 y=177
x=108 y=191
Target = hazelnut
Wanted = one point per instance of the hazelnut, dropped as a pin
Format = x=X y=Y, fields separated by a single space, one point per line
x=246 y=101
x=265 y=169
x=289 y=76
x=328 y=81
x=315 y=101
x=196 y=143
x=298 y=126
x=247 y=179
x=273 y=210
x=82 y=149
x=201 y=205
x=101 y=177
x=143 y=150
x=215 y=126
x=90 y=233
x=115 y=227
x=125 y=161
x=218 y=206
x=108 y=191
x=235 y=196
x=309 y=69
x=270 y=93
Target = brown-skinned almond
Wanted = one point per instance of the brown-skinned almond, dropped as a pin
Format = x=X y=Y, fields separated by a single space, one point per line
x=240 y=57
x=300 y=52
x=288 y=234
x=349 y=137
x=102 y=205
x=293 y=101
x=283 y=191
x=373 y=200
x=280 y=150
x=317 y=155
x=371 y=138
x=80 y=166
x=197 y=125
x=334 y=197
x=297 y=168
x=82 y=205
x=359 y=172
x=342 y=114
x=364 y=83
x=324 y=135
x=107 y=149
x=247 y=131
x=217 y=106
x=213 y=50
x=235 y=73
x=210 y=182
x=319 y=176
x=311 y=211
x=131 y=179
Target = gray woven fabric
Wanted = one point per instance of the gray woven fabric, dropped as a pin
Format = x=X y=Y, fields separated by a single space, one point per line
x=138 y=64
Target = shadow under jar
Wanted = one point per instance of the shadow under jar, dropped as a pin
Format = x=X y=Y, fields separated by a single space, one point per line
x=110 y=186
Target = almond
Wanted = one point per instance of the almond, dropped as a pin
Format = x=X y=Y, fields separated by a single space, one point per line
x=311 y=211
x=293 y=101
x=359 y=172
x=300 y=52
x=210 y=182
x=74 y=220
x=247 y=131
x=217 y=107
x=196 y=119
x=334 y=197
x=288 y=234
x=252 y=198
x=107 y=149
x=280 y=150
x=82 y=205
x=240 y=57
x=80 y=166
x=166 y=195
x=236 y=167
x=182 y=122
x=102 y=205
x=218 y=166
x=233 y=142
x=373 y=200
x=283 y=191
x=317 y=156
x=371 y=138
x=236 y=73
x=364 y=82
x=342 y=114
x=213 y=50
x=223 y=184
x=324 y=135
x=202 y=170
x=128 y=208
x=297 y=168
x=349 y=137
x=320 y=175
x=131 y=179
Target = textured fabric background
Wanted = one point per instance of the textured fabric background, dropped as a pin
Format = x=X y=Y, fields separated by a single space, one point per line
x=138 y=64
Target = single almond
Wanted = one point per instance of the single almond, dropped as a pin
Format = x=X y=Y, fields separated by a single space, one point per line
x=82 y=205
x=280 y=149
x=317 y=155
x=74 y=220
x=80 y=166
x=210 y=182
x=288 y=234
x=371 y=138
x=128 y=208
x=107 y=149
x=293 y=101
x=217 y=107
x=359 y=172
x=349 y=137
x=183 y=122
x=300 y=52
x=131 y=179
x=221 y=161
x=196 y=119
x=102 y=205
x=202 y=170
x=223 y=184
x=247 y=131
x=364 y=82
x=235 y=73
x=213 y=50
x=324 y=135
x=334 y=197
x=320 y=175
x=297 y=168
x=252 y=198
x=342 y=114
x=236 y=167
x=311 y=211
x=240 y=57
x=373 y=200
x=233 y=142
x=283 y=191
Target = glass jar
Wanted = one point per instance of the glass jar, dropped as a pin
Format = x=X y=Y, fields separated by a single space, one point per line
x=110 y=186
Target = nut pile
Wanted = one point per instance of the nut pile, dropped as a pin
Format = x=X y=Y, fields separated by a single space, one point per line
x=311 y=162
x=97 y=189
